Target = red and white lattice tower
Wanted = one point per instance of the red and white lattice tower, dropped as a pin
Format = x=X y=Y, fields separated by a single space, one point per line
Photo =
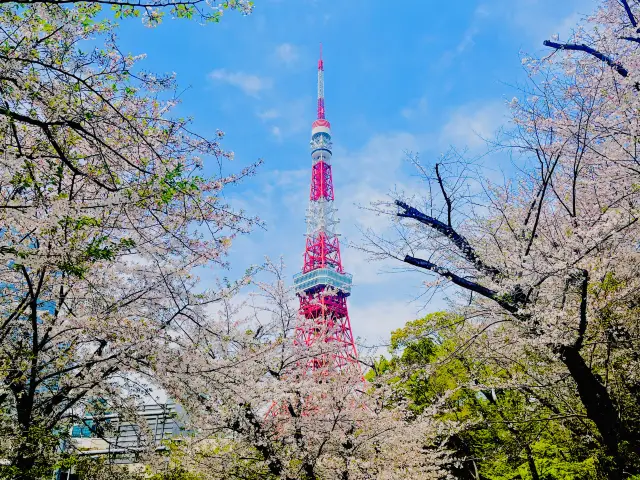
x=323 y=286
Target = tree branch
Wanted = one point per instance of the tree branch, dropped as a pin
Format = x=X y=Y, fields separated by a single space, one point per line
x=545 y=183
x=124 y=3
x=582 y=328
x=591 y=51
x=461 y=282
x=627 y=9
x=45 y=127
x=444 y=194
x=458 y=240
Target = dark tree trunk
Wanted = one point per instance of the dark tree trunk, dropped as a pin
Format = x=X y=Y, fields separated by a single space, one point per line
x=532 y=464
x=26 y=454
x=600 y=409
x=25 y=463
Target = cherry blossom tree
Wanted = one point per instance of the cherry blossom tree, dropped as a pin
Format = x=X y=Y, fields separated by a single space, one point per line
x=549 y=260
x=267 y=415
x=106 y=216
x=152 y=12
x=518 y=415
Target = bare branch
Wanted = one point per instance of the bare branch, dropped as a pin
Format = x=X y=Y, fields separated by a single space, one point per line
x=444 y=194
x=591 y=51
x=627 y=9
x=461 y=282
x=458 y=240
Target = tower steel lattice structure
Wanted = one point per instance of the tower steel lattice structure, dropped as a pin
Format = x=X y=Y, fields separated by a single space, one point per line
x=323 y=286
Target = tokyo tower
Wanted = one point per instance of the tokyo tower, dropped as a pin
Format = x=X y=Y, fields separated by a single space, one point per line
x=323 y=286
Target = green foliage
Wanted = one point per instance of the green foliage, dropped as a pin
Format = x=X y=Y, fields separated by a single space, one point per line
x=154 y=12
x=509 y=430
x=175 y=182
x=175 y=473
x=183 y=11
x=40 y=441
x=99 y=249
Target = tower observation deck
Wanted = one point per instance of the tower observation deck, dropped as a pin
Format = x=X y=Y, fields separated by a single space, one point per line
x=323 y=286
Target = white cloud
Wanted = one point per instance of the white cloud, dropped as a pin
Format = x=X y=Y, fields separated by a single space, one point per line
x=468 y=37
x=275 y=131
x=373 y=322
x=534 y=21
x=292 y=179
x=250 y=84
x=417 y=108
x=481 y=11
x=468 y=40
x=566 y=27
x=364 y=176
x=470 y=125
x=292 y=117
x=381 y=300
x=287 y=53
x=541 y=19
x=270 y=114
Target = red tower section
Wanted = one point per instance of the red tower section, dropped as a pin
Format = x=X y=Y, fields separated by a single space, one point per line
x=323 y=286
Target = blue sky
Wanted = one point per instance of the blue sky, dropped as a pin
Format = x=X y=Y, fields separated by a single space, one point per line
x=417 y=75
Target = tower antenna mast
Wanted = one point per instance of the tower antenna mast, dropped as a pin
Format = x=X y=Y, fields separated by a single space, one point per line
x=323 y=286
